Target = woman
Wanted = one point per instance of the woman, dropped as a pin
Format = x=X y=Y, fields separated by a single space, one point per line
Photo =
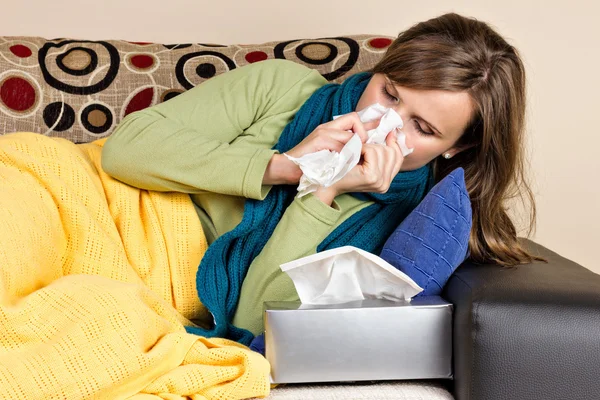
x=97 y=277
x=460 y=90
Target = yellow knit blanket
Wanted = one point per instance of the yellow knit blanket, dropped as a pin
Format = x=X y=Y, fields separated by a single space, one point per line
x=97 y=280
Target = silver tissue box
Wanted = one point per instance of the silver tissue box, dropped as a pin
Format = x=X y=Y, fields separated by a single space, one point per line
x=359 y=341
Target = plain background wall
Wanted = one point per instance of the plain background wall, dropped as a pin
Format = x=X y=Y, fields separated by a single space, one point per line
x=559 y=42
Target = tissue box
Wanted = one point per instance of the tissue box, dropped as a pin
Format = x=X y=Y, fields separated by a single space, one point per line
x=360 y=340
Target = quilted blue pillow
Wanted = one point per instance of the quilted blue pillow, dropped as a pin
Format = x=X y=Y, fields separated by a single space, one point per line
x=433 y=240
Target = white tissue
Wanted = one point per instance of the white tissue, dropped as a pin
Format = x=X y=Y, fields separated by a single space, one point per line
x=324 y=168
x=347 y=274
x=390 y=121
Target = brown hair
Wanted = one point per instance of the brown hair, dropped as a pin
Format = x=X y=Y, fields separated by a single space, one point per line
x=456 y=53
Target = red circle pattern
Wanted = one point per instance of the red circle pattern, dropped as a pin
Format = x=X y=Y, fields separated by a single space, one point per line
x=21 y=51
x=17 y=94
x=142 y=61
x=256 y=56
x=140 y=101
x=380 y=43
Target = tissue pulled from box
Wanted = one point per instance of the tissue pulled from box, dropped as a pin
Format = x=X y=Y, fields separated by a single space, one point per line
x=347 y=274
x=389 y=119
x=325 y=167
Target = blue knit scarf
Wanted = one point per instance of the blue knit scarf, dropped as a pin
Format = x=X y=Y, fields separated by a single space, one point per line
x=226 y=262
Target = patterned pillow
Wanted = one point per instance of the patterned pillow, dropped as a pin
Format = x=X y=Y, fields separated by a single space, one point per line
x=433 y=240
x=81 y=89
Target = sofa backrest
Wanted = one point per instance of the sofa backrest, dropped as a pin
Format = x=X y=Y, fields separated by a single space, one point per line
x=80 y=89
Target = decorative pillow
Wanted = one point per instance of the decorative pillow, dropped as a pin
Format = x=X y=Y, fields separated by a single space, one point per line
x=81 y=89
x=433 y=240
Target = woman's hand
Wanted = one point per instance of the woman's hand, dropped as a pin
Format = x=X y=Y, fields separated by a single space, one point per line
x=331 y=136
x=378 y=167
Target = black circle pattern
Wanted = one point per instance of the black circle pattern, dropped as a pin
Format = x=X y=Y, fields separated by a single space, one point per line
x=206 y=70
x=93 y=128
x=279 y=52
x=111 y=74
x=179 y=68
x=333 y=52
x=53 y=111
x=170 y=94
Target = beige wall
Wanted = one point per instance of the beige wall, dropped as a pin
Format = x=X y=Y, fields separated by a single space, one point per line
x=560 y=43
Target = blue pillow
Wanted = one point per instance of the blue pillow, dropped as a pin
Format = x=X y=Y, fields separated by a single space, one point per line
x=258 y=344
x=433 y=240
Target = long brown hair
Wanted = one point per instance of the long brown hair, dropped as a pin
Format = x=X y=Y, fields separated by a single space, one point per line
x=456 y=53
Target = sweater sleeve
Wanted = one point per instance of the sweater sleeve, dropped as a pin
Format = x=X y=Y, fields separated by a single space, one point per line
x=305 y=224
x=209 y=138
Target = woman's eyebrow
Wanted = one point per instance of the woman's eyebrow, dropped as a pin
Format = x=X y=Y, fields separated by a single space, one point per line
x=416 y=116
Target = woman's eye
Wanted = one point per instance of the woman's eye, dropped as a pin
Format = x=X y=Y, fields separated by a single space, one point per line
x=388 y=95
x=421 y=130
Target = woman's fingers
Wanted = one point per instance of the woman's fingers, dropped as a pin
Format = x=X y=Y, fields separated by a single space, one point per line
x=340 y=136
x=392 y=142
x=333 y=143
x=369 y=165
x=374 y=164
x=390 y=139
x=334 y=140
x=371 y=125
x=350 y=122
x=328 y=136
x=322 y=138
x=380 y=165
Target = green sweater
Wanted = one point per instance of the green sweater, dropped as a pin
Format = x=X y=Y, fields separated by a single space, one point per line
x=214 y=142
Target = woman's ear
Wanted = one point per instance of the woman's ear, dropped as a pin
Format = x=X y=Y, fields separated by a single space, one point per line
x=451 y=152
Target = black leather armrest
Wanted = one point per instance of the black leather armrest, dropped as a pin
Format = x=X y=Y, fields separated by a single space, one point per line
x=529 y=332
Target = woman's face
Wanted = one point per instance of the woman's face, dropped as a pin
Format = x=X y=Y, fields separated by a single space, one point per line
x=434 y=120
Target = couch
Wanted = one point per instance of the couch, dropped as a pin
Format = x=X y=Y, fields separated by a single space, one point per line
x=530 y=332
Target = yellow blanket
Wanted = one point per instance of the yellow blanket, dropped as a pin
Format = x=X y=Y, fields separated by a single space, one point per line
x=97 y=280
